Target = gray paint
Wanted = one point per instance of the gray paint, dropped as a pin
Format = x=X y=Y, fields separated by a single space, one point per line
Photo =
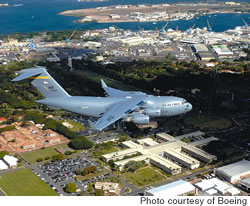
x=111 y=108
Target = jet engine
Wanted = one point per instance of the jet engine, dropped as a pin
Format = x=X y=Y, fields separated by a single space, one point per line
x=139 y=118
x=153 y=112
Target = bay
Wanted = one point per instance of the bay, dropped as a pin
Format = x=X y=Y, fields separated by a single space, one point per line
x=37 y=15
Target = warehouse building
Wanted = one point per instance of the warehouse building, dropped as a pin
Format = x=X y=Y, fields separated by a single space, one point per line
x=183 y=159
x=165 y=164
x=10 y=160
x=177 y=188
x=245 y=184
x=198 y=153
x=223 y=51
x=215 y=186
x=234 y=172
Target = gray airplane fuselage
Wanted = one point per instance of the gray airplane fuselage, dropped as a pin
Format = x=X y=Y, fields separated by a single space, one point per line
x=95 y=106
x=137 y=107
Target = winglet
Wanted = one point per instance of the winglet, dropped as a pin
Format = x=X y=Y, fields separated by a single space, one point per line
x=103 y=83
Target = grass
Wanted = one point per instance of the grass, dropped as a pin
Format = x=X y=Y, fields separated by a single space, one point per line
x=24 y=183
x=76 y=126
x=206 y=121
x=42 y=153
x=143 y=177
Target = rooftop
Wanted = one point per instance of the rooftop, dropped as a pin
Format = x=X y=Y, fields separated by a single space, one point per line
x=163 y=161
x=182 y=156
x=173 y=189
x=235 y=168
x=166 y=136
x=246 y=181
x=130 y=144
x=199 y=151
x=194 y=134
x=3 y=166
x=137 y=158
x=148 y=141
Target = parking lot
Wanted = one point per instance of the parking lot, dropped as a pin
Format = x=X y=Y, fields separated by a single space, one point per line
x=63 y=170
x=59 y=173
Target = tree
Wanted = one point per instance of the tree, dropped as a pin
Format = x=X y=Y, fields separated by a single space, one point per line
x=57 y=157
x=39 y=159
x=84 y=172
x=70 y=187
x=80 y=143
x=3 y=153
x=91 y=169
x=78 y=172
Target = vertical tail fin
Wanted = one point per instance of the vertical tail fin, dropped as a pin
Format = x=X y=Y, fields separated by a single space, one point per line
x=43 y=82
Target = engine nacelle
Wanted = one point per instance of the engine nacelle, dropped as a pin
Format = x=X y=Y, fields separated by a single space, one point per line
x=153 y=112
x=140 y=118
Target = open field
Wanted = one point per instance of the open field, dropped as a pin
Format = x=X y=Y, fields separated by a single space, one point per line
x=24 y=183
x=144 y=176
x=42 y=153
x=210 y=122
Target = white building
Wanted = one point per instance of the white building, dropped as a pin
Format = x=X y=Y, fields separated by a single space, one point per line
x=214 y=185
x=10 y=160
x=234 y=172
x=3 y=166
x=177 y=188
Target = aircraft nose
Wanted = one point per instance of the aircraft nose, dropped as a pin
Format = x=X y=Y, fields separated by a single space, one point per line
x=190 y=106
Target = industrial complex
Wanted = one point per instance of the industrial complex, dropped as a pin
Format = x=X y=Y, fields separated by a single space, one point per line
x=169 y=155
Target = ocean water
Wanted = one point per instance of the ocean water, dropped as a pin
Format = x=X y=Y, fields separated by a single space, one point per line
x=42 y=15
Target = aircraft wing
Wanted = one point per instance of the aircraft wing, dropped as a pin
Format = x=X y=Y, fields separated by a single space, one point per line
x=119 y=110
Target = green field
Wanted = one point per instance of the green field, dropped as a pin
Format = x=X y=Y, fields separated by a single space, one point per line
x=42 y=153
x=143 y=177
x=24 y=183
x=210 y=122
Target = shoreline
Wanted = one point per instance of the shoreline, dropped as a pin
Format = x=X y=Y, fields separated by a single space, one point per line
x=151 y=13
x=134 y=21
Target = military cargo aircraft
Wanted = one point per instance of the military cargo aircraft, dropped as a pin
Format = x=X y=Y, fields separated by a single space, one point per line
x=133 y=106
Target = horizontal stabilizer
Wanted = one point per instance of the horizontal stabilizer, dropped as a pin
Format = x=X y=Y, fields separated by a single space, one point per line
x=24 y=74
x=41 y=79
